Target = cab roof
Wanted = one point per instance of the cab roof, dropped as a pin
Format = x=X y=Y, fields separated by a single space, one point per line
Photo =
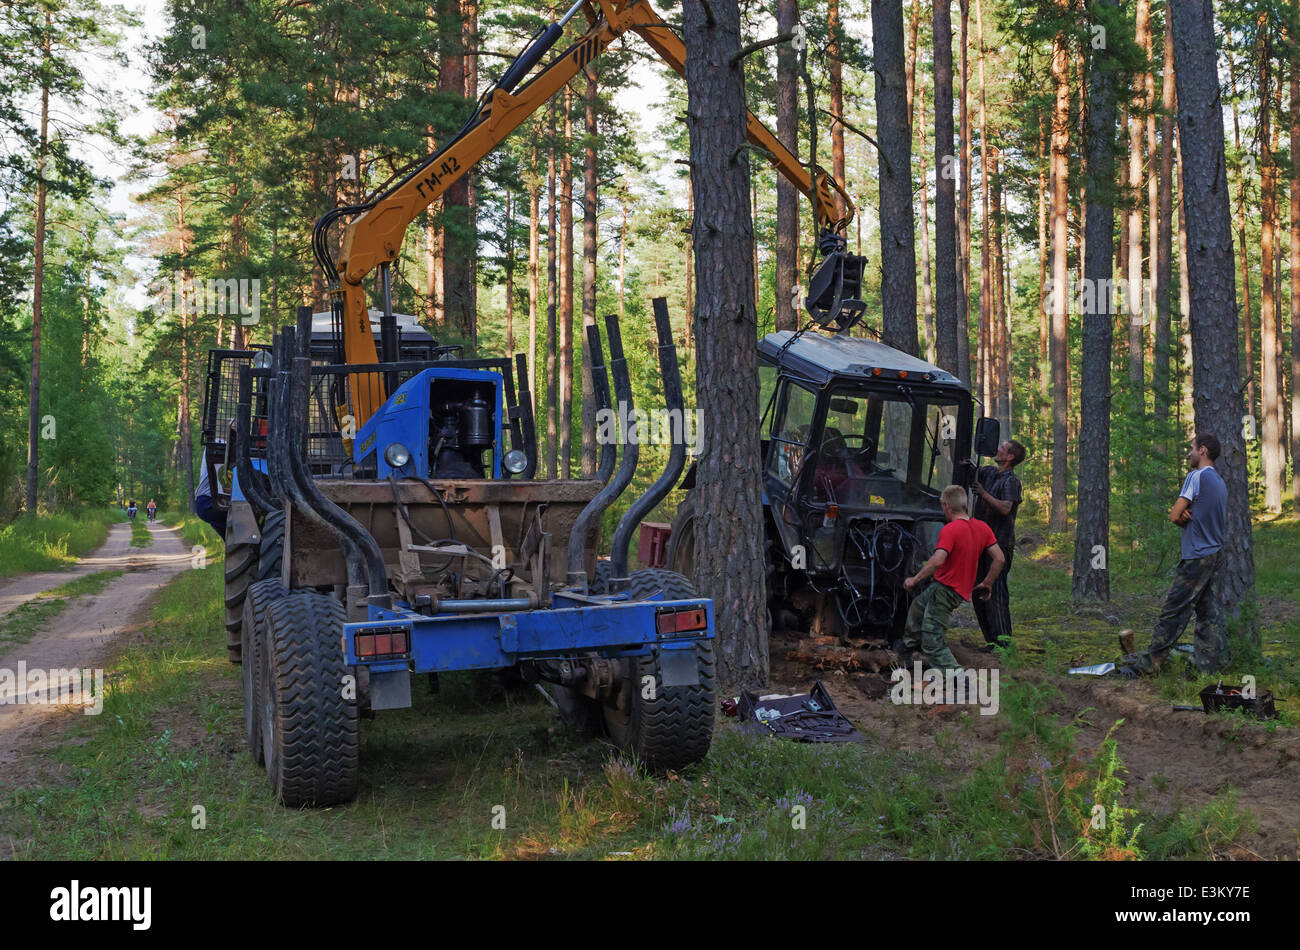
x=823 y=358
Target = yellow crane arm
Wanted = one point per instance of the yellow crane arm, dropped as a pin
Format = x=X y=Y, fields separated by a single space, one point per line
x=375 y=236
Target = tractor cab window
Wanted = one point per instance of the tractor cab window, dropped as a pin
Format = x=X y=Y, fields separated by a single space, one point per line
x=791 y=429
x=885 y=450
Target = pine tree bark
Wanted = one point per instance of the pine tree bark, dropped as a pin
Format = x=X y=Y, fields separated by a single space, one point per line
x=534 y=288
x=787 y=198
x=1150 y=151
x=1164 y=245
x=927 y=294
x=836 y=68
x=552 y=304
x=913 y=30
x=1270 y=401
x=510 y=276
x=725 y=322
x=1243 y=248
x=1060 y=316
x=38 y=281
x=963 y=201
x=985 y=376
x=459 y=242
x=946 y=283
x=897 y=226
x=1295 y=270
x=1216 y=375
x=589 y=209
x=1092 y=530
x=566 y=290
x=1133 y=290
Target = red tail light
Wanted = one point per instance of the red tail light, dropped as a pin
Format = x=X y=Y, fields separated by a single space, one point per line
x=682 y=621
x=383 y=644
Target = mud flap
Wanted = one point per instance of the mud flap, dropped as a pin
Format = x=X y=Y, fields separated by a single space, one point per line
x=678 y=666
x=390 y=690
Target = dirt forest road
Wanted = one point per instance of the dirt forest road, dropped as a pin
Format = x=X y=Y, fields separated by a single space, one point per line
x=83 y=635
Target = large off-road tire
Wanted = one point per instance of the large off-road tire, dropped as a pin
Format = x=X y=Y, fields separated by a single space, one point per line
x=241 y=570
x=252 y=633
x=309 y=728
x=675 y=727
x=680 y=556
x=270 y=553
x=246 y=564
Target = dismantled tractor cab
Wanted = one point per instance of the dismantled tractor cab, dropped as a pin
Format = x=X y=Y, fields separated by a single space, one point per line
x=420 y=542
x=859 y=440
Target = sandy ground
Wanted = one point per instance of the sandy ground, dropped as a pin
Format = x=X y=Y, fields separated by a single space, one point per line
x=1174 y=760
x=83 y=635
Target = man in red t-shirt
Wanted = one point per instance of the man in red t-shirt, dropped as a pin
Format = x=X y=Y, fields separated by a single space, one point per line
x=953 y=565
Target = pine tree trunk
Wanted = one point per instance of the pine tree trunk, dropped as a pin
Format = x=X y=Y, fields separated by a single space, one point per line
x=534 y=288
x=38 y=283
x=946 y=284
x=1295 y=273
x=1150 y=150
x=1133 y=290
x=510 y=276
x=1186 y=408
x=552 y=304
x=897 y=227
x=1164 y=217
x=913 y=29
x=963 y=202
x=1060 y=276
x=727 y=372
x=927 y=290
x=1044 y=332
x=986 y=377
x=458 y=239
x=836 y=68
x=1270 y=401
x=566 y=290
x=1243 y=247
x=787 y=197
x=589 y=273
x=1092 y=531
x=1216 y=378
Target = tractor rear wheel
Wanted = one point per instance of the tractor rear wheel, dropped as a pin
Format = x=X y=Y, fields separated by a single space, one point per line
x=252 y=636
x=270 y=553
x=680 y=556
x=309 y=727
x=664 y=727
x=241 y=566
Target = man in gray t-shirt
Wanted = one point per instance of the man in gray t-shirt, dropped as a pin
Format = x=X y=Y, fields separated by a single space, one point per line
x=1201 y=511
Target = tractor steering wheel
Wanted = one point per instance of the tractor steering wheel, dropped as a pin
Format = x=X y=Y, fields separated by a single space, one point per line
x=862 y=456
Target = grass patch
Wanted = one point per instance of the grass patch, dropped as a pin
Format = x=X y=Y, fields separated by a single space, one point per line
x=478 y=771
x=49 y=542
x=195 y=531
x=140 y=536
x=26 y=620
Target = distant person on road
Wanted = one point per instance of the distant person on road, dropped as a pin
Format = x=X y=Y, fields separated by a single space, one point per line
x=1201 y=511
x=152 y=509
x=997 y=499
x=131 y=509
x=205 y=507
x=953 y=565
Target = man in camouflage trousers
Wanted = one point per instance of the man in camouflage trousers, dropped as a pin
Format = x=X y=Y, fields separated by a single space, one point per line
x=953 y=565
x=1201 y=511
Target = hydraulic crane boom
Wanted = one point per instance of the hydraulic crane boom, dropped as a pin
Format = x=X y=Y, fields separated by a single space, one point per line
x=373 y=239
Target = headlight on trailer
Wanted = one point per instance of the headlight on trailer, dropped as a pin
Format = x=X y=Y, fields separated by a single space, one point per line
x=396 y=455
x=515 y=461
